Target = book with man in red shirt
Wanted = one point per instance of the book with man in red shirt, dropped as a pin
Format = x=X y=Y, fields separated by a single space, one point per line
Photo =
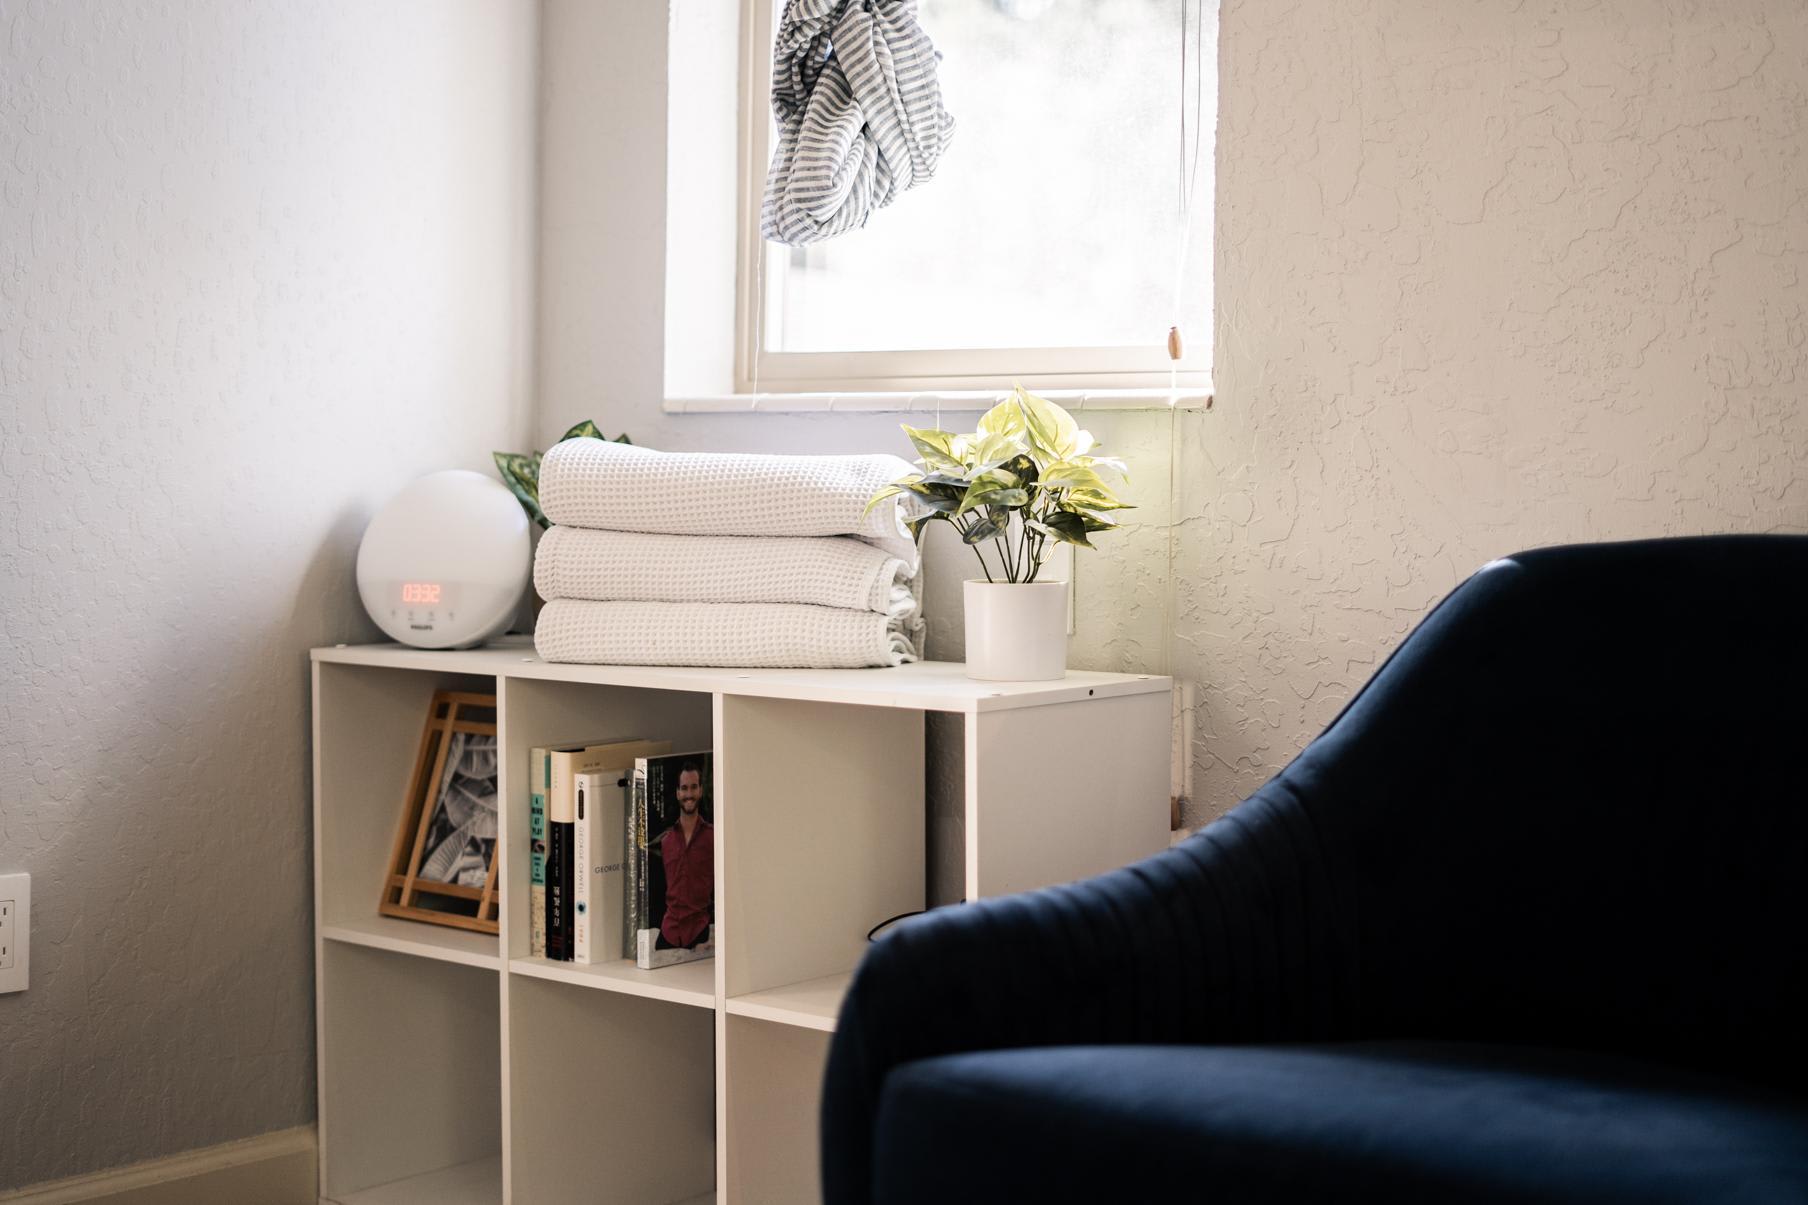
x=673 y=845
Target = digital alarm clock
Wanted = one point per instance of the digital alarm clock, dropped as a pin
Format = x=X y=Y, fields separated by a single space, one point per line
x=443 y=565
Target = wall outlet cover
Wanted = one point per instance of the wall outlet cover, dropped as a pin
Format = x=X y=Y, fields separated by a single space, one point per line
x=15 y=932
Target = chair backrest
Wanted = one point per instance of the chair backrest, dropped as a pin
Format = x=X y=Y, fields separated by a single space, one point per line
x=1573 y=808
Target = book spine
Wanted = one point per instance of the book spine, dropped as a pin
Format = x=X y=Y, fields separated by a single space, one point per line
x=634 y=852
x=601 y=828
x=536 y=837
x=559 y=817
x=611 y=825
x=580 y=868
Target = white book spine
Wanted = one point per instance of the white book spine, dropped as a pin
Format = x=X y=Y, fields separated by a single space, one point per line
x=582 y=923
x=598 y=856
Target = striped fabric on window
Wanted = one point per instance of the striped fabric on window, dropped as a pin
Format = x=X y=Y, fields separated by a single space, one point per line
x=859 y=112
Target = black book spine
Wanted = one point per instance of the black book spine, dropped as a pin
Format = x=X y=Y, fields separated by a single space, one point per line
x=559 y=870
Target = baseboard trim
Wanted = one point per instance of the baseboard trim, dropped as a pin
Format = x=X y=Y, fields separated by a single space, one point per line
x=271 y=1169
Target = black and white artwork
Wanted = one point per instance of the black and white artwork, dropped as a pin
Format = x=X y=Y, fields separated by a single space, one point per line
x=461 y=836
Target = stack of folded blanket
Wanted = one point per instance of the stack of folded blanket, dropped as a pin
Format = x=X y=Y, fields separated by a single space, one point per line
x=674 y=558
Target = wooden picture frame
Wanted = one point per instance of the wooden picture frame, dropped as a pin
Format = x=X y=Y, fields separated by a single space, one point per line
x=447 y=836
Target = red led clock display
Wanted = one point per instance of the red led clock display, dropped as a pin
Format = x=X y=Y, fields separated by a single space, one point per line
x=424 y=593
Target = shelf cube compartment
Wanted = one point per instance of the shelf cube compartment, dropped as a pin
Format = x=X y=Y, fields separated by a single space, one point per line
x=774 y=1090
x=611 y=1096
x=368 y=723
x=820 y=834
x=535 y=713
x=410 y=1076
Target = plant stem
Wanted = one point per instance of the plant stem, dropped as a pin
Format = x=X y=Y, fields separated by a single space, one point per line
x=1035 y=545
x=985 y=568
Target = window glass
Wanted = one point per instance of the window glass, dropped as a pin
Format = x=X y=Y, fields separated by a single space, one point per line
x=1054 y=219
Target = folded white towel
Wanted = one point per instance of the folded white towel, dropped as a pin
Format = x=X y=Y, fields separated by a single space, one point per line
x=732 y=635
x=619 y=487
x=625 y=566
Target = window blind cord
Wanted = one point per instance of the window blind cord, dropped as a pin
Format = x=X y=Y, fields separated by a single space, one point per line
x=1192 y=51
x=1187 y=184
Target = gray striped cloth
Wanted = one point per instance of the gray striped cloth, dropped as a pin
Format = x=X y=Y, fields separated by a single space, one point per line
x=859 y=111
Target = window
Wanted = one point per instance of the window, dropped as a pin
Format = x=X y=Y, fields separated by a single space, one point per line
x=1048 y=247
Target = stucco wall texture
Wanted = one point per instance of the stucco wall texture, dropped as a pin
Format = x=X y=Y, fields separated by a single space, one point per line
x=260 y=265
x=1489 y=276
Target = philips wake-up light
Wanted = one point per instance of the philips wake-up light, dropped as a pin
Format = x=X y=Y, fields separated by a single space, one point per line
x=443 y=565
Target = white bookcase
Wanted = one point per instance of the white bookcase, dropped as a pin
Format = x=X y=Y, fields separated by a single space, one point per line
x=454 y=1068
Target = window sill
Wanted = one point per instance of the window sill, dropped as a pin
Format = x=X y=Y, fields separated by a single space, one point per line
x=933 y=402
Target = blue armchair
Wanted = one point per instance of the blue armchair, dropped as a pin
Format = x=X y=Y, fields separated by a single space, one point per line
x=1528 y=921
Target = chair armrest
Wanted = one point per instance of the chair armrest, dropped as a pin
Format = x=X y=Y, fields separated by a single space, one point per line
x=1205 y=942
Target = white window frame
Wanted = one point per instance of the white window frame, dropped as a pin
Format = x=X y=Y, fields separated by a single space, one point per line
x=1115 y=377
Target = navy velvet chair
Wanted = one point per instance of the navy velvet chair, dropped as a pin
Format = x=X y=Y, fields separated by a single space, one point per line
x=1528 y=922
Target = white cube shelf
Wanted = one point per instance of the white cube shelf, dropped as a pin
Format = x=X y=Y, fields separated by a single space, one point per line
x=455 y=1068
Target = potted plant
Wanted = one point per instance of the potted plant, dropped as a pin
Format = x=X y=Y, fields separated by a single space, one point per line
x=1024 y=480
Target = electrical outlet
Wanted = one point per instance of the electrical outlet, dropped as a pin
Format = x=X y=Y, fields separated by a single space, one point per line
x=15 y=932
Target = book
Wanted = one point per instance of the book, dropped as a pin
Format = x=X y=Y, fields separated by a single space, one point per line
x=536 y=857
x=564 y=764
x=631 y=843
x=597 y=890
x=670 y=839
x=558 y=832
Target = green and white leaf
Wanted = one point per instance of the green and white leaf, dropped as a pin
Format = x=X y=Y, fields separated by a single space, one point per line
x=1049 y=426
x=988 y=527
x=990 y=451
x=1091 y=521
x=520 y=471
x=1110 y=464
x=936 y=496
x=985 y=488
x=1069 y=528
x=1067 y=475
x=936 y=447
x=1006 y=418
x=891 y=491
x=1095 y=500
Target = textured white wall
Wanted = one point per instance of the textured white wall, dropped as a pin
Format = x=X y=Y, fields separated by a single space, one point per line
x=260 y=265
x=1488 y=276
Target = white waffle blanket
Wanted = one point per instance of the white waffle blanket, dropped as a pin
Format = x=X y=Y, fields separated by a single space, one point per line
x=618 y=487
x=734 y=635
x=625 y=566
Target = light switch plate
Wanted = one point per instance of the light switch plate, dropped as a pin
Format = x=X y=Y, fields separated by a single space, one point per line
x=15 y=932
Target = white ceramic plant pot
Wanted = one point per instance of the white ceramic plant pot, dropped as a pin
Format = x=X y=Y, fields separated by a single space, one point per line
x=1016 y=632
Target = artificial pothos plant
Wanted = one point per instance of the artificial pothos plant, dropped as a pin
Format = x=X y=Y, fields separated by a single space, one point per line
x=521 y=470
x=1025 y=478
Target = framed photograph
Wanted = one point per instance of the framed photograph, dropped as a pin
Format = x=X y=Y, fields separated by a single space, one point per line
x=443 y=870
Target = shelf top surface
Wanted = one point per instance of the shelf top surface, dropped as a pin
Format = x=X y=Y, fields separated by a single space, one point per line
x=921 y=685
